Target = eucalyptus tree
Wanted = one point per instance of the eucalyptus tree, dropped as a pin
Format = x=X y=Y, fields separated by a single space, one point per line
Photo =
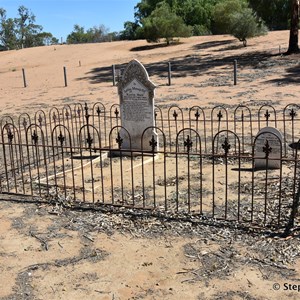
x=22 y=31
x=163 y=23
x=235 y=17
x=293 y=41
x=196 y=13
x=26 y=28
x=8 y=39
x=275 y=13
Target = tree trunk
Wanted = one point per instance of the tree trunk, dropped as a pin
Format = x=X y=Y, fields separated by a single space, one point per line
x=293 y=43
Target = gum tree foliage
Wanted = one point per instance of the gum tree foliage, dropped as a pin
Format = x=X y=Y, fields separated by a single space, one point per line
x=26 y=27
x=132 y=31
x=223 y=13
x=275 y=13
x=22 y=32
x=144 y=9
x=95 y=34
x=195 y=13
x=245 y=25
x=8 y=38
x=163 y=23
x=236 y=18
x=45 y=38
x=200 y=14
x=98 y=34
x=77 y=36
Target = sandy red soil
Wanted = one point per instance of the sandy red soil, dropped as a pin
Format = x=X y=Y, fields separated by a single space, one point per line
x=52 y=253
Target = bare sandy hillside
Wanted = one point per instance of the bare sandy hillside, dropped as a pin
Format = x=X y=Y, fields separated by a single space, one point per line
x=50 y=252
x=202 y=71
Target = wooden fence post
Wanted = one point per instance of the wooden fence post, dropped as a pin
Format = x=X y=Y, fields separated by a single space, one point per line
x=24 y=78
x=113 y=68
x=235 y=72
x=169 y=73
x=65 y=76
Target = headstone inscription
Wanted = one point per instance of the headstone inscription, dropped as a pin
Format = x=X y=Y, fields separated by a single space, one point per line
x=268 y=142
x=136 y=93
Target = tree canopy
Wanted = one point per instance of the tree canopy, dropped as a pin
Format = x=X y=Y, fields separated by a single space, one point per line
x=201 y=16
x=244 y=25
x=95 y=34
x=22 y=31
x=156 y=19
x=163 y=23
x=237 y=18
x=223 y=13
x=275 y=13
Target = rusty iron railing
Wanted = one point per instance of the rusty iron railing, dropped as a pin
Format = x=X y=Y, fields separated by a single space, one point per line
x=203 y=163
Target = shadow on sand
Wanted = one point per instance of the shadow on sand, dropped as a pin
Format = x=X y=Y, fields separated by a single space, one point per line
x=197 y=64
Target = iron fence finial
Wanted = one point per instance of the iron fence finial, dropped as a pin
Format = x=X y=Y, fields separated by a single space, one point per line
x=226 y=146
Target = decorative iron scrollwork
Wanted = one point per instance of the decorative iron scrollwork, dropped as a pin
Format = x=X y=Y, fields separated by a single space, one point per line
x=226 y=146
x=98 y=111
x=24 y=123
x=153 y=143
x=188 y=144
x=35 y=137
x=267 y=149
x=119 y=140
x=197 y=115
x=61 y=139
x=86 y=110
x=54 y=117
x=116 y=112
x=175 y=115
x=267 y=115
x=40 y=119
x=219 y=115
x=293 y=114
x=89 y=140
x=10 y=135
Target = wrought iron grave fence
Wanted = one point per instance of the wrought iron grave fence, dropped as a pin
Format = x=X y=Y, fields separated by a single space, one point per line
x=204 y=163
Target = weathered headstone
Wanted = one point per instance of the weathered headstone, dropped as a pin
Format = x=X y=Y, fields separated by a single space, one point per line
x=268 y=142
x=136 y=93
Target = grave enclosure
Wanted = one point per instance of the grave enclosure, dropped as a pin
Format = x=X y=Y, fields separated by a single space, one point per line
x=218 y=163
